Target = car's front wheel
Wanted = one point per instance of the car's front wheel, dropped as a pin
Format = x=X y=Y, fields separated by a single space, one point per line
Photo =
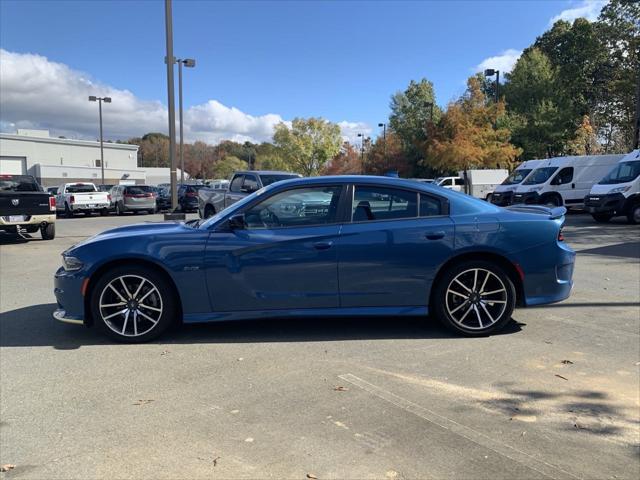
x=474 y=298
x=133 y=304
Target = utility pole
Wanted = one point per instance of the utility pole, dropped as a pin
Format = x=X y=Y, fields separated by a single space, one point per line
x=172 y=108
x=384 y=142
x=636 y=131
x=187 y=62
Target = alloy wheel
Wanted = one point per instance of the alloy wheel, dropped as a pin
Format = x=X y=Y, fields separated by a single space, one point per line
x=476 y=299
x=130 y=305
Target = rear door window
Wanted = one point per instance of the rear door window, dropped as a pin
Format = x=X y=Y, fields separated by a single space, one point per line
x=371 y=203
x=250 y=183
x=460 y=181
x=430 y=206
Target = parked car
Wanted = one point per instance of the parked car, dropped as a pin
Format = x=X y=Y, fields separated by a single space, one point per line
x=188 y=197
x=163 y=199
x=323 y=246
x=503 y=193
x=82 y=197
x=212 y=201
x=133 y=198
x=480 y=183
x=25 y=207
x=424 y=180
x=564 y=180
x=618 y=193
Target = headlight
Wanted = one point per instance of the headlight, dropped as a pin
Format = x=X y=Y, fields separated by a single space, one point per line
x=620 y=189
x=71 y=264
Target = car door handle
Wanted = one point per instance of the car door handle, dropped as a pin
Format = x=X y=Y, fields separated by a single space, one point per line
x=434 y=235
x=322 y=245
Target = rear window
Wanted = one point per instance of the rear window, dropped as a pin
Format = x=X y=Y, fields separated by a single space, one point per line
x=138 y=190
x=381 y=203
x=268 y=179
x=18 y=183
x=81 y=188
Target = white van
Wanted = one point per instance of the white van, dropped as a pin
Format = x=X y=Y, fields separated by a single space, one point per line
x=618 y=193
x=564 y=181
x=482 y=182
x=503 y=194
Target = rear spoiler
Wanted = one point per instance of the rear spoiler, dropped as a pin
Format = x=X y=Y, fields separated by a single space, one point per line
x=552 y=212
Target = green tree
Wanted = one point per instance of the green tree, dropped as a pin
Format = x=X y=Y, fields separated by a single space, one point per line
x=309 y=144
x=410 y=115
x=229 y=164
x=539 y=114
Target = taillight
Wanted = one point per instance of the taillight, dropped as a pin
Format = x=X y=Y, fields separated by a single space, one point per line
x=52 y=204
x=108 y=197
x=72 y=199
x=190 y=194
x=560 y=235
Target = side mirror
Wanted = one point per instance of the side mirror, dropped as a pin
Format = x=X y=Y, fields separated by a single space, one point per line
x=237 y=222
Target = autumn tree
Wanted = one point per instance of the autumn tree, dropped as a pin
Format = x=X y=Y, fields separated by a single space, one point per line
x=470 y=134
x=229 y=164
x=388 y=154
x=585 y=141
x=347 y=161
x=309 y=144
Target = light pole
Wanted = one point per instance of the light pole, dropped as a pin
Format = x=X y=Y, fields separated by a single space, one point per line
x=490 y=72
x=170 y=59
x=189 y=63
x=93 y=98
x=384 y=142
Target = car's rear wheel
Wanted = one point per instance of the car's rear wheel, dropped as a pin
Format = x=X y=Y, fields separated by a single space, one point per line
x=474 y=298
x=133 y=304
x=48 y=232
x=68 y=213
x=601 y=217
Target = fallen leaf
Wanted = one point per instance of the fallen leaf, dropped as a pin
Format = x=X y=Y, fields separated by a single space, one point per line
x=7 y=467
x=164 y=352
x=215 y=461
x=560 y=376
x=143 y=402
x=567 y=362
x=340 y=388
x=311 y=475
x=548 y=342
x=579 y=427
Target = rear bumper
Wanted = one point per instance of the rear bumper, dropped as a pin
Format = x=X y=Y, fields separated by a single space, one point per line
x=502 y=199
x=608 y=203
x=68 y=292
x=79 y=207
x=31 y=223
x=150 y=206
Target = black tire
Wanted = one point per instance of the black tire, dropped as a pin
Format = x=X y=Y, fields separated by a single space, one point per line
x=104 y=212
x=151 y=212
x=48 y=232
x=68 y=213
x=209 y=211
x=552 y=201
x=489 y=197
x=633 y=216
x=471 y=327
x=169 y=303
x=601 y=217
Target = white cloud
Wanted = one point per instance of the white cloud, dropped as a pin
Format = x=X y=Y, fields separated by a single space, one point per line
x=39 y=93
x=589 y=9
x=350 y=131
x=503 y=62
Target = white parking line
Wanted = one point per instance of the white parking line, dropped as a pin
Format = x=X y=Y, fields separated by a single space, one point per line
x=470 y=434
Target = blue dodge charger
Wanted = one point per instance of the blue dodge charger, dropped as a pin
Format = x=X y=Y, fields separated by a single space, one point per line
x=325 y=246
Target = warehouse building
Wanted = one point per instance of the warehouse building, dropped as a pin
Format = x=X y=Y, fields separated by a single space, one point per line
x=54 y=161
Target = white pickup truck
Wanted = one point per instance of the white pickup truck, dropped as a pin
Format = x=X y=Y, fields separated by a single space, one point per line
x=82 y=197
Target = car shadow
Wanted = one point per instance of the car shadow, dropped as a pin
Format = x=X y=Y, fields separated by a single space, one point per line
x=624 y=250
x=33 y=326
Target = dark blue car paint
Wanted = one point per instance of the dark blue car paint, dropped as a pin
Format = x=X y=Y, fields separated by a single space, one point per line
x=369 y=268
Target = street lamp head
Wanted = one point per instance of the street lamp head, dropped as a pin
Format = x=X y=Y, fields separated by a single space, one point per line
x=106 y=99
x=360 y=135
x=489 y=72
x=381 y=124
x=189 y=62
x=92 y=98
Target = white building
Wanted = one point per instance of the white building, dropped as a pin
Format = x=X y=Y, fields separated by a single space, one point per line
x=54 y=161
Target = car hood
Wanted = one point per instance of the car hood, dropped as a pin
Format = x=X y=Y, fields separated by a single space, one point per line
x=136 y=230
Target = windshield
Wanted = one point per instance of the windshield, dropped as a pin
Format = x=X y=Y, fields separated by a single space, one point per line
x=18 y=183
x=623 y=172
x=268 y=179
x=81 y=188
x=517 y=176
x=540 y=175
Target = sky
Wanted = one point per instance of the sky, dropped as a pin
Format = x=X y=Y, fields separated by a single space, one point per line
x=258 y=62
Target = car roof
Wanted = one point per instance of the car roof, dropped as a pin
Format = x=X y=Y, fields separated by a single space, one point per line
x=265 y=172
x=363 y=179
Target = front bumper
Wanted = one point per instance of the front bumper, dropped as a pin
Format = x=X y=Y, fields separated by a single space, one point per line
x=68 y=292
x=502 y=199
x=528 y=198
x=607 y=203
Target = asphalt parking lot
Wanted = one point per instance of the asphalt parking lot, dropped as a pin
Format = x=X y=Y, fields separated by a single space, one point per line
x=556 y=395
